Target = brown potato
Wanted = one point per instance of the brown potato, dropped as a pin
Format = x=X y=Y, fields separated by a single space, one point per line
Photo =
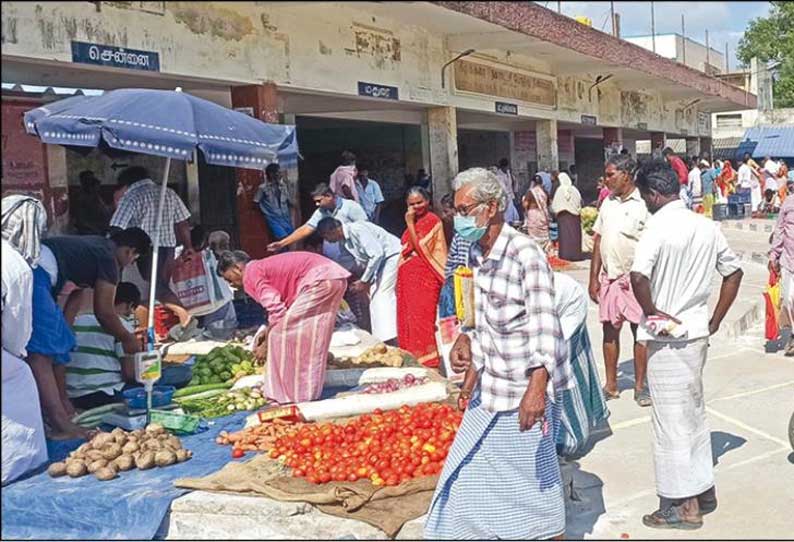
x=102 y=440
x=182 y=455
x=145 y=461
x=130 y=448
x=105 y=474
x=155 y=428
x=96 y=465
x=124 y=462
x=93 y=455
x=83 y=448
x=164 y=458
x=57 y=469
x=152 y=444
x=173 y=443
x=76 y=469
x=111 y=452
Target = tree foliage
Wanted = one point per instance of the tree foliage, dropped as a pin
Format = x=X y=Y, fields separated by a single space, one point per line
x=771 y=39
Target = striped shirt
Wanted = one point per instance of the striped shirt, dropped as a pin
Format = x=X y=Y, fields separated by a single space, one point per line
x=517 y=328
x=138 y=209
x=96 y=361
x=458 y=255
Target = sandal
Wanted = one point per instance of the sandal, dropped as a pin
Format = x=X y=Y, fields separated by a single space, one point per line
x=643 y=398
x=672 y=518
x=609 y=395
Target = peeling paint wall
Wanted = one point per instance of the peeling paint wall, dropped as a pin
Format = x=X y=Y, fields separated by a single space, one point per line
x=291 y=45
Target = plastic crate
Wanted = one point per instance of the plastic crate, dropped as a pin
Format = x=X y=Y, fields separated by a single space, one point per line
x=736 y=210
x=177 y=423
x=177 y=374
x=719 y=211
x=742 y=196
x=136 y=397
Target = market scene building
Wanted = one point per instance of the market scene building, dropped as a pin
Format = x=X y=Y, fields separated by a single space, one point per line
x=246 y=259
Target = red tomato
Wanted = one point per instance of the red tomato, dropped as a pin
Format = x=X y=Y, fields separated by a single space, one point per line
x=352 y=477
x=237 y=453
x=324 y=477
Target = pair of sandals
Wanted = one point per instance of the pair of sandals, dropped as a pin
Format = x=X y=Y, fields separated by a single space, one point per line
x=643 y=398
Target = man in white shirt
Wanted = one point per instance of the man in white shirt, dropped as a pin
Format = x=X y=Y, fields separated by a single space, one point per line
x=621 y=221
x=671 y=277
x=369 y=195
x=749 y=178
x=505 y=177
x=378 y=253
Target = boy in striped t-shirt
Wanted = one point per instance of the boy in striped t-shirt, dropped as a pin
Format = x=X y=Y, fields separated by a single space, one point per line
x=98 y=369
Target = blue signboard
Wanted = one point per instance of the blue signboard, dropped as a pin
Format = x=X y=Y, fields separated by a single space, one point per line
x=378 y=91
x=115 y=57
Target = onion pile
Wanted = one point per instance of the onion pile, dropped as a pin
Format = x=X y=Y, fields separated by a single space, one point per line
x=394 y=384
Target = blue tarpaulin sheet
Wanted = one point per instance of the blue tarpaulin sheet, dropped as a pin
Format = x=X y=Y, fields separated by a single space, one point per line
x=129 y=507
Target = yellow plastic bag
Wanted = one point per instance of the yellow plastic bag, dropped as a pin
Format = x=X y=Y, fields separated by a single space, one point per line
x=463 y=281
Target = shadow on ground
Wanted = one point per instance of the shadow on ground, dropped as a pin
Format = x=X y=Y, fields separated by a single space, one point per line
x=722 y=443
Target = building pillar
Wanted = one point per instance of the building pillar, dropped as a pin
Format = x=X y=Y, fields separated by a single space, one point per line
x=658 y=143
x=548 y=150
x=692 y=146
x=613 y=141
x=706 y=147
x=442 y=126
x=521 y=154
x=262 y=100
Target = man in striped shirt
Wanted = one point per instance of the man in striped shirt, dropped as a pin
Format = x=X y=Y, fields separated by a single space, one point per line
x=98 y=369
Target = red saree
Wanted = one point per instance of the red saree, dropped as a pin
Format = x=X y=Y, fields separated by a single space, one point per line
x=420 y=276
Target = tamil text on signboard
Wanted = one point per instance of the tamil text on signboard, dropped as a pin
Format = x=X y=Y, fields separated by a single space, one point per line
x=506 y=108
x=378 y=91
x=115 y=57
x=491 y=81
x=589 y=120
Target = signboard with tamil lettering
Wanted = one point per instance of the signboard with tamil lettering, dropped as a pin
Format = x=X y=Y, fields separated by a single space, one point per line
x=489 y=80
x=115 y=57
x=378 y=91
x=506 y=109
x=589 y=120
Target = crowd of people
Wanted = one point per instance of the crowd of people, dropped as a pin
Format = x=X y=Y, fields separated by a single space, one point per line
x=530 y=386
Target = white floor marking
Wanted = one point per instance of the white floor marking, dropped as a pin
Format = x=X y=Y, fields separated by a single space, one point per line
x=753 y=392
x=746 y=427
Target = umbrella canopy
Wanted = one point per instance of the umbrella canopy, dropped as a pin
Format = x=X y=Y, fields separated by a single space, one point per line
x=164 y=123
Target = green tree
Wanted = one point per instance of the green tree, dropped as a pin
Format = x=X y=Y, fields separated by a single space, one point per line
x=771 y=39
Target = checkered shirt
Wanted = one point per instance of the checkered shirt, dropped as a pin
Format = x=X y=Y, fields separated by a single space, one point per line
x=517 y=327
x=138 y=209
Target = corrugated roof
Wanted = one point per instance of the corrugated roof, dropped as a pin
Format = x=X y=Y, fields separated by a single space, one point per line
x=774 y=141
x=725 y=147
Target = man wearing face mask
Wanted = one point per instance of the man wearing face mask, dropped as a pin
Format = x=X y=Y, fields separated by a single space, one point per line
x=671 y=277
x=517 y=358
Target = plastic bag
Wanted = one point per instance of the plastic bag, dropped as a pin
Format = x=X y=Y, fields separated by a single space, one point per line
x=772 y=301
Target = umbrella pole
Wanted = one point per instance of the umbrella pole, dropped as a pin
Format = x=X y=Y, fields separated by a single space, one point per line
x=155 y=253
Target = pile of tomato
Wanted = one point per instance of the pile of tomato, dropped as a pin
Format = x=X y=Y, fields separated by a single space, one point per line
x=387 y=448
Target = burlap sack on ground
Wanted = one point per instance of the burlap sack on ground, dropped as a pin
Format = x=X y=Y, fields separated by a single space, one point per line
x=387 y=508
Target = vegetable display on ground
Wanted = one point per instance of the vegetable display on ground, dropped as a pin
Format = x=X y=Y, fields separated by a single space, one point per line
x=215 y=405
x=108 y=453
x=379 y=355
x=395 y=384
x=385 y=448
x=260 y=438
x=222 y=365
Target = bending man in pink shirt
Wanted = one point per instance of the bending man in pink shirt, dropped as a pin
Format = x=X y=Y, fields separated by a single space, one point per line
x=301 y=292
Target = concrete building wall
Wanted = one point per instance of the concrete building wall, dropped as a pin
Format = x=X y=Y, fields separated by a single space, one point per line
x=290 y=45
x=684 y=50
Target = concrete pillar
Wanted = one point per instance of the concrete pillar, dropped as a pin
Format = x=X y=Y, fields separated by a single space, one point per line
x=193 y=195
x=424 y=135
x=58 y=212
x=291 y=172
x=254 y=233
x=521 y=154
x=548 y=151
x=706 y=147
x=442 y=125
x=692 y=146
x=613 y=141
x=658 y=143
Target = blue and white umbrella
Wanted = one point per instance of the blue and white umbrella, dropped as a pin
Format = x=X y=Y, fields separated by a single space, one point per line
x=166 y=123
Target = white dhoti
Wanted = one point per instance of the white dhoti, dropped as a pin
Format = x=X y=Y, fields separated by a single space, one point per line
x=24 y=444
x=383 y=301
x=682 y=441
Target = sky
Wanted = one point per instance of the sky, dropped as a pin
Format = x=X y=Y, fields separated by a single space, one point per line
x=725 y=21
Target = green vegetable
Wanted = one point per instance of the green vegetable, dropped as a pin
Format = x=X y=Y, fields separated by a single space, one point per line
x=98 y=412
x=192 y=390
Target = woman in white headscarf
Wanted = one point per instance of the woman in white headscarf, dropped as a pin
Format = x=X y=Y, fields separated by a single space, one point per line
x=567 y=205
x=24 y=446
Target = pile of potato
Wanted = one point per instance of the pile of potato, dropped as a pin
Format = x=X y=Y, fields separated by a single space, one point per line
x=379 y=355
x=108 y=453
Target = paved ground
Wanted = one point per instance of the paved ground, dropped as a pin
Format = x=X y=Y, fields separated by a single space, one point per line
x=750 y=397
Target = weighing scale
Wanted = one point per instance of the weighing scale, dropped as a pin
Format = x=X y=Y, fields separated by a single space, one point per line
x=148 y=370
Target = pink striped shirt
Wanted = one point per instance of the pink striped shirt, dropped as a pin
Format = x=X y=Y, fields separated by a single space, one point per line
x=276 y=282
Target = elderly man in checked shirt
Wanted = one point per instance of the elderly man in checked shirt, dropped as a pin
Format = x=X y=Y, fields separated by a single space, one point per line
x=501 y=479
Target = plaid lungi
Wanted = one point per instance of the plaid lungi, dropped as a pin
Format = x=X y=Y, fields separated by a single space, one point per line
x=583 y=406
x=497 y=482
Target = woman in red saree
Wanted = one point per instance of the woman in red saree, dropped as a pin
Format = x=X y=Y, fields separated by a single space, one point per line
x=420 y=276
x=725 y=180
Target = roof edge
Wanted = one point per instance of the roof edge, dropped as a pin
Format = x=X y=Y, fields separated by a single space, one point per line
x=541 y=23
